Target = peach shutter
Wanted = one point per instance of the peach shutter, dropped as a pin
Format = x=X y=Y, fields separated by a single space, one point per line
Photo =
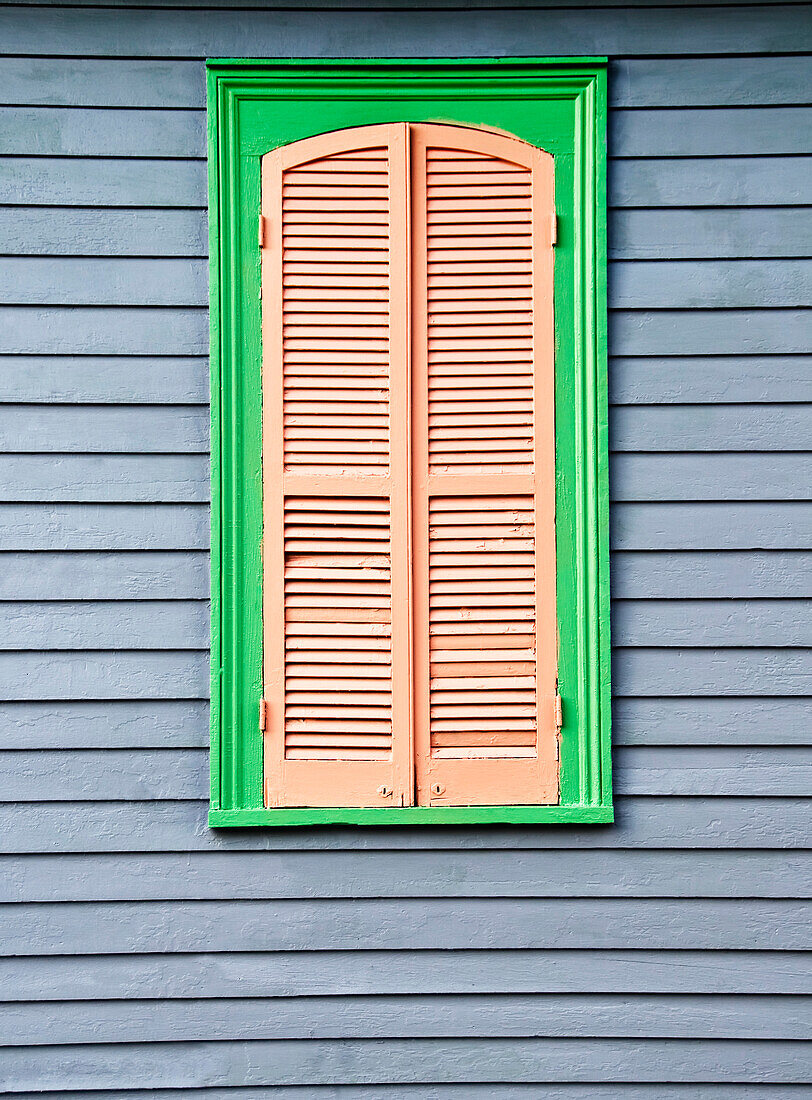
x=483 y=469
x=336 y=550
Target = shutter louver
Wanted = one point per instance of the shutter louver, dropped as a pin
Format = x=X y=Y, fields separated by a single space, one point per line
x=335 y=470
x=485 y=660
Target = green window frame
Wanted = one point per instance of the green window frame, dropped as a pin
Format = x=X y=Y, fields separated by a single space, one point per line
x=556 y=104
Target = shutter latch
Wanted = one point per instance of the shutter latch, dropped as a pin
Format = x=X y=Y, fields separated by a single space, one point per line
x=263 y=712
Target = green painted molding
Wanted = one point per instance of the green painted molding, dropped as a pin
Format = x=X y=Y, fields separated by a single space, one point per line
x=558 y=104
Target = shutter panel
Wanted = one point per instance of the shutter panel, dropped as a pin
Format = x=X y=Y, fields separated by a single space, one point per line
x=335 y=471
x=484 y=462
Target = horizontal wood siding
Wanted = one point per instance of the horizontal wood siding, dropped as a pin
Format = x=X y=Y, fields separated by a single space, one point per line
x=147 y=956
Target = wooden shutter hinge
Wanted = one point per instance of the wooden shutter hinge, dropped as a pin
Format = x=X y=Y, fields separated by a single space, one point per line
x=262 y=230
x=553 y=229
x=263 y=714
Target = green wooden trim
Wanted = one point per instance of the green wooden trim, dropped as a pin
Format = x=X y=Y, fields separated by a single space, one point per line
x=558 y=104
x=418 y=815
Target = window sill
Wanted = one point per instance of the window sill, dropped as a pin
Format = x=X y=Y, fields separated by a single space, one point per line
x=416 y=815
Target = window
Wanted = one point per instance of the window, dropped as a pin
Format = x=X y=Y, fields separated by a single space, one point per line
x=409 y=443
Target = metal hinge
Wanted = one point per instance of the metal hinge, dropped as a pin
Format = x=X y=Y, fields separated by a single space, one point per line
x=262 y=229
x=559 y=712
x=263 y=713
x=553 y=228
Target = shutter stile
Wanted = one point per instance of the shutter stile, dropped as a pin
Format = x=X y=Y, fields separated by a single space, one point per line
x=335 y=472
x=483 y=445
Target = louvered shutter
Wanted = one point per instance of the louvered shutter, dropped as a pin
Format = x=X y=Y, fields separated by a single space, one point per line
x=483 y=474
x=335 y=471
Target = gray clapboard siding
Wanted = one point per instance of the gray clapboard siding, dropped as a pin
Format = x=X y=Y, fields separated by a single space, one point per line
x=85 y=82
x=113 y=674
x=74 y=181
x=680 y=132
x=712 y=476
x=641 y=284
x=108 y=132
x=148 y=824
x=79 y=575
x=110 y=724
x=687 y=181
x=705 y=427
x=707 y=284
x=185 y=478
x=104 y=526
x=78 y=330
x=728 y=574
x=328 y=973
x=669 y=671
x=67 y=280
x=85 y=231
x=83 y=724
x=85 y=429
x=69 y=82
x=92 y=775
x=389 y=1016
x=176 y=624
x=53 y=575
x=104 y=477
x=725 y=721
x=308 y=1062
x=743 y=525
x=100 y=330
x=144 y=624
x=727 y=81
x=403 y=924
x=711 y=132
x=648 y=234
x=458 y=874
x=502 y=32
x=632 y=182
x=709 y=331
x=725 y=233
x=104 y=379
x=185 y=428
x=707 y=379
x=708 y=623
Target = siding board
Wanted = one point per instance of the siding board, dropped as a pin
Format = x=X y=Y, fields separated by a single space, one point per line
x=64 y=31
x=265 y=875
x=402 y=924
x=90 y=775
x=104 y=526
x=104 y=379
x=433 y=1061
x=327 y=973
x=150 y=824
x=387 y=1016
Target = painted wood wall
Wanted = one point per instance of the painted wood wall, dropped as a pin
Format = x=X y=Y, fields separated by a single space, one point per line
x=146 y=956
